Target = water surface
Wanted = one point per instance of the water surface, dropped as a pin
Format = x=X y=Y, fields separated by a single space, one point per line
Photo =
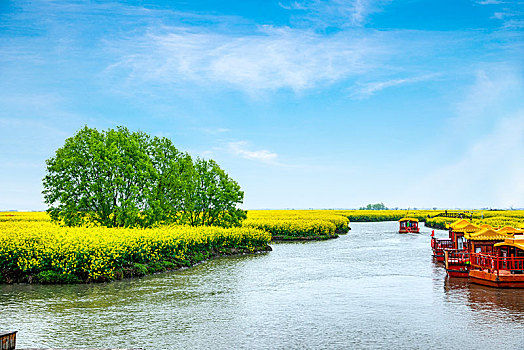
x=373 y=288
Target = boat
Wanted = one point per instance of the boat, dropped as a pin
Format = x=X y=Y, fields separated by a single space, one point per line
x=487 y=256
x=457 y=262
x=408 y=225
x=453 y=242
x=438 y=245
x=456 y=259
x=503 y=267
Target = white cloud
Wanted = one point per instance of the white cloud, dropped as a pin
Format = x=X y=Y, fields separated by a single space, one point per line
x=486 y=139
x=215 y=131
x=490 y=2
x=489 y=174
x=365 y=90
x=482 y=100
x=510 y=14
x=514 y=24
x=271 y=59
x=241 y=148
x=335 y=13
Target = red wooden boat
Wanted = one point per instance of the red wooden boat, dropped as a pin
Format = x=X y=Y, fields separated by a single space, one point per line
x=456 y=259
x=457 y=262
x=439 y=245
x=503 y=267
x=408 y=225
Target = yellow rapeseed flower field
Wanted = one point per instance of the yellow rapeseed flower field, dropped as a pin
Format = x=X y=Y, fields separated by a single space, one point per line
x=30 y=244
x=298 y=223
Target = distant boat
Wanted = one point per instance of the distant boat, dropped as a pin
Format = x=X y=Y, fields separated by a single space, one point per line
x=408 y=225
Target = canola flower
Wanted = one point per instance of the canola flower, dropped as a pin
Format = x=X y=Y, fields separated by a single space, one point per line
x=30 y=244
x=298 y=223
x=92 y=254
x=505 y=218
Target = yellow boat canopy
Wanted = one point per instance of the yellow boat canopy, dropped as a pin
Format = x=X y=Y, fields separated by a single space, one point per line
x=459 y=223
x=517 y=242
x=468 y=228
x=486 y=226
x=408 y=219
x=509 y=229
x=486 y=234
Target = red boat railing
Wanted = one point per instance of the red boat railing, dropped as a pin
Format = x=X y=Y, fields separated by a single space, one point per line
x=456 y=256
x=441 y=243
x=496 y=263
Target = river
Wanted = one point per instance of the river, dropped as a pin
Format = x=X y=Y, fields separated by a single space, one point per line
x=372 y=288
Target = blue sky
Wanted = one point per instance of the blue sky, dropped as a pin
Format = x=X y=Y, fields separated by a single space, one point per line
x=306 y=103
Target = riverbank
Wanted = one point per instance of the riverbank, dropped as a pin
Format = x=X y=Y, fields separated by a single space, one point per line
x=298 y=225
x=303 y=238
x=132 y=271
x=42 y=252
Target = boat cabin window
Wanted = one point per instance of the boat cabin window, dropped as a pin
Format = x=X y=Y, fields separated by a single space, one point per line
x=511 y=251
x=477 y=250
x=460 y=243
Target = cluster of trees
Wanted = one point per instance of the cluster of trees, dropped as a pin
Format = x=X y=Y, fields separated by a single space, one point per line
x=377 y=206
x=119 y=178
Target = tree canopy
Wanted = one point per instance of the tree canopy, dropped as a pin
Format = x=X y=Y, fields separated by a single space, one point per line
x=377 y=206
x=118 y=178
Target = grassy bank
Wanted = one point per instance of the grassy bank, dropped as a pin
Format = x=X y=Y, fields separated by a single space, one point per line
x=39 y=251
x=288 y=225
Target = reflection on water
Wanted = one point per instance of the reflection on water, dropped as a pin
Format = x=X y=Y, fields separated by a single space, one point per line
x=507 y=303
x=373 y=288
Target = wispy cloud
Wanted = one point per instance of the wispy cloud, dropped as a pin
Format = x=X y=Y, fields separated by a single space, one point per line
x=482 y=99
x=215 y=131
x=366 y=90
x=510 y=13
x=270 y=59
x=490 y=2
x=335 y=13
x=242 y=149
x=486 y=143
x=489 y=173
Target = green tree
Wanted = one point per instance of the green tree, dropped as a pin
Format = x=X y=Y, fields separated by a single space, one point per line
x=99 y=176
x=118 y=178
x=213 y=197
x=377 y=206
x=171 y=179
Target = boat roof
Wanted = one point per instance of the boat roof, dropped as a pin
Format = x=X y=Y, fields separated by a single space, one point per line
x=517 y=242
x=487 y=234
x=468 y=228
x=485 y=226
x=509 y=229
x=459 y=223
x=408 y=219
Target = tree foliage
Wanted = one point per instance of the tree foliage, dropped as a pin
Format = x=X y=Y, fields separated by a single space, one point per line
x=377 y=206
x=213 y=197
x=118 y=178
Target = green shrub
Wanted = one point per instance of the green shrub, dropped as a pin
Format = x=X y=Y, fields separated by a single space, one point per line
x=53 y=277
x=140 y=269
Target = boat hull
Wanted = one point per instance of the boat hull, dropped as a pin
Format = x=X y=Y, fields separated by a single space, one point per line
x=457 y=271
x=439 y=257
x=503 y=280
x=403 y=230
